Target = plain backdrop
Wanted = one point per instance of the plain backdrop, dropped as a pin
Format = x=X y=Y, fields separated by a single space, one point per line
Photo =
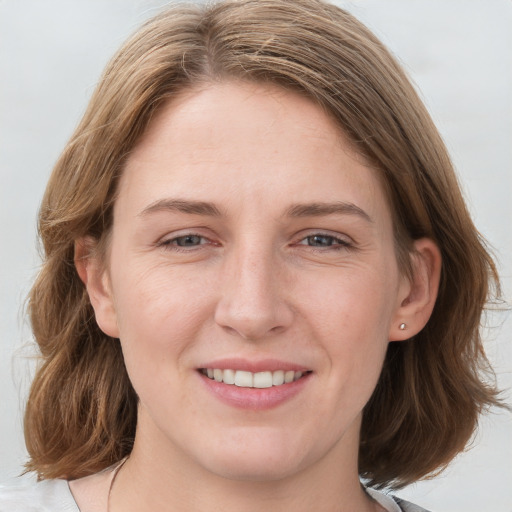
x=457 y=52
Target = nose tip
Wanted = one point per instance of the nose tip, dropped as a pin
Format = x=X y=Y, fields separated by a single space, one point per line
x=252 y=305
x=251 y=318
x=250 y=330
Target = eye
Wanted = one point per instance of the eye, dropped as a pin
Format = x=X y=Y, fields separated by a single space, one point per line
x=187 y=241
x=190 y=240
x=323 y=240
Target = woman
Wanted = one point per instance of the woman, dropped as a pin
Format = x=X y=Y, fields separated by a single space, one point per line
x=261 y=281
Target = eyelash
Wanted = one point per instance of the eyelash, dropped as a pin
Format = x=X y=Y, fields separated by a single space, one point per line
x=172 y=243
x=334 y=243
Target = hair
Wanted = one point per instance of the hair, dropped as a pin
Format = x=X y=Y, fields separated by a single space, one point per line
x=82 y=410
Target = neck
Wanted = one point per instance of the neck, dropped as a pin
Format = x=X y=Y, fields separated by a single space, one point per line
x=168 y=481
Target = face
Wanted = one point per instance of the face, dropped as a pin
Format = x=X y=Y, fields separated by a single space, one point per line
x=253 y=283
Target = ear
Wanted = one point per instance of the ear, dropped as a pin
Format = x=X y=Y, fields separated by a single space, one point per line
x=93 y=273
x=417 y=295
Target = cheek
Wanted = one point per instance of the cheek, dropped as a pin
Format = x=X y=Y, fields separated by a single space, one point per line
x=351 y=319
x=153 y=296
x=159 y=313
x=357 y=301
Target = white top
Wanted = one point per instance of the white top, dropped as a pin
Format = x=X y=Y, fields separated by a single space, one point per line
x=55 y=496
x=44 y=496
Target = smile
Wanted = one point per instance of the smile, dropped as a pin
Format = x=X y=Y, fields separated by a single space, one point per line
x=245 y=379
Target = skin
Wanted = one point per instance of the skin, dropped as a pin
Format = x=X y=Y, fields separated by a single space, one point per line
x=258 y=278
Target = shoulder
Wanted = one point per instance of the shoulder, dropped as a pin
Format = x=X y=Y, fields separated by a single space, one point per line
x=409 y=507
x=392 y=503
x=28 y=496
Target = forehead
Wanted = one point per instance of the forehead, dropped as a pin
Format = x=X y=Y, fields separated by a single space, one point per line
x=245 y=140
x=239 y=110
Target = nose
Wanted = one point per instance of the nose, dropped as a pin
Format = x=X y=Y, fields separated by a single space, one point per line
x=252 y=303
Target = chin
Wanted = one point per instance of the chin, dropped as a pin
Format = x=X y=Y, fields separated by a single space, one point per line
x=256 y=461
x=253 y=470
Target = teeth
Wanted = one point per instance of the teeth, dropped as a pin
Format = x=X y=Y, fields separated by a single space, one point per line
x=278 y=378
x=288 y=376
x=229 y=377
x=252 y=380
x=243 y=379
x=262 y=380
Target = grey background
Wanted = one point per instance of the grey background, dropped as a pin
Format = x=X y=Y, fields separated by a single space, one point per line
x=458 y=53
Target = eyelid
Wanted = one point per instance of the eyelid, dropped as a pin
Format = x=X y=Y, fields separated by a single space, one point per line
x=189 y=235
x=341 y=237
x=168 y=240
x=341 y=240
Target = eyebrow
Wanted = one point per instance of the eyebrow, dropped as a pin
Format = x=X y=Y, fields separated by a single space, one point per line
x=321 y=209
x=182 y=206
x=317 y=209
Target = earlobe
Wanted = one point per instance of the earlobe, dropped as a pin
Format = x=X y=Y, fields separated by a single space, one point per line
x=91 y=270
x=418 y=295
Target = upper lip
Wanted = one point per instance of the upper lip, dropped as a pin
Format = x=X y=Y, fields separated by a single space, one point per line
x=254 y=366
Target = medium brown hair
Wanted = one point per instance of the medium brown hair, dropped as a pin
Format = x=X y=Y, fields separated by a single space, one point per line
x=81 y=414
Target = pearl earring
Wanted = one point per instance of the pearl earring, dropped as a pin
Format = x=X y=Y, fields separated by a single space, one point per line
x=402 y=327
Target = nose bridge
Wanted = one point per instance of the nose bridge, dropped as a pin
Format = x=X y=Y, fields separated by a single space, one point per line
x=251 y=301
x=254 y=269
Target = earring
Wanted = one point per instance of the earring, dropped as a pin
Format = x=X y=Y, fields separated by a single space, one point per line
x=402 y=327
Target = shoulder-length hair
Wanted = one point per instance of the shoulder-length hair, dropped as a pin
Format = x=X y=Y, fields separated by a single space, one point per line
x=82 y=409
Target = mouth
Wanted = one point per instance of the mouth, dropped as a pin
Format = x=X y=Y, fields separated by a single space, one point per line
x=259 y=380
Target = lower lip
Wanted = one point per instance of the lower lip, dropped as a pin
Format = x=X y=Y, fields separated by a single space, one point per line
x=256 y=399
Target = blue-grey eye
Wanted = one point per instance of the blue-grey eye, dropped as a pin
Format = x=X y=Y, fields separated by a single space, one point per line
x=188 y=240
x=322 y=240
